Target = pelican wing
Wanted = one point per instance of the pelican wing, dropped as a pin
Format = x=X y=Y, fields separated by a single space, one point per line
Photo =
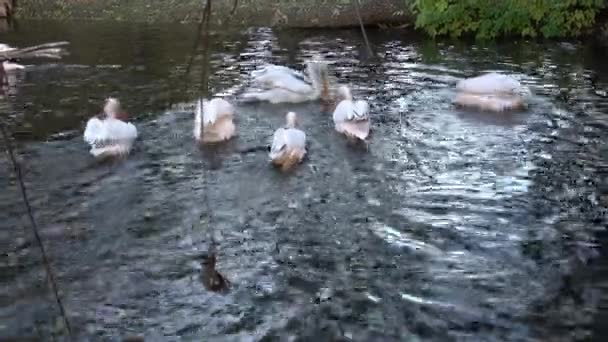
x=108 y=130
x=488 y=102
x=492 y=83
x=272 y=69
x=361 y=111
x=286 y=139
x=119 y=130
x=279 y=143
x=280 y=77
x=214 y=110
x=198 y=119
x=222 y=108
x=348 y=110
x=342 y=110
x=94 y=131
x=296 y=138
x=275 y=95
x=210 y=113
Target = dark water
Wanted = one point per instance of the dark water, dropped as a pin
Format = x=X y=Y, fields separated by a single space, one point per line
x=453 y=225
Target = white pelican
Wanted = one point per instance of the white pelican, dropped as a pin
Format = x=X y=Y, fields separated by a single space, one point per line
x=288 y=144
x=213 y=121
x=108 y=134
x=279 y=84
x=492 y=92
x=351 y=117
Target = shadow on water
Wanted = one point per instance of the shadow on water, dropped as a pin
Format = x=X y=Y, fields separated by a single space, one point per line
x=450 y=225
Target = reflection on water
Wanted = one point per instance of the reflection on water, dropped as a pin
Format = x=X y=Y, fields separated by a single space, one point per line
x=454 y=225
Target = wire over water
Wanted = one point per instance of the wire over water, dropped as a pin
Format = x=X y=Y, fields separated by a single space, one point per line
x=367 y=45
x=26 y=202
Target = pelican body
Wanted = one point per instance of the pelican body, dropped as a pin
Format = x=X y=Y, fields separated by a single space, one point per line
x=351 y=117
x=490 y=92
x=288 y=144
x=279 y=84
x=213 y=121
x=109 y=135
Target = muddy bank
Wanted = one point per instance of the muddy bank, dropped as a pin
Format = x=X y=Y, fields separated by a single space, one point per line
x=290 y=13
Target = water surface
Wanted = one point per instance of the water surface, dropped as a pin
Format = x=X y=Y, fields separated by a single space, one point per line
x=451 y=225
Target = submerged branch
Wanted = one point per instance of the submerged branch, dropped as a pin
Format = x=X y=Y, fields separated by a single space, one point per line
x=54 y=50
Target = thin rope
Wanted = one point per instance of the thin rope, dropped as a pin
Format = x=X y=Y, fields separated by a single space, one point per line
x=195 y=46
x=49 y=271
x=204 y=93
x=358 y=11
x=234 y=6
x=197 y=40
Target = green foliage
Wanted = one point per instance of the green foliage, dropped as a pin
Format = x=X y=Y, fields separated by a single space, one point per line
x=492 y=18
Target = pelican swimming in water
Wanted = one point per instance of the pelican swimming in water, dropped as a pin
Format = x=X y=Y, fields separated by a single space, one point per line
x=109 y=134
x=213 y=121
x=288 y=144
x=351 y=117
x=491 y=92
x=279 y=84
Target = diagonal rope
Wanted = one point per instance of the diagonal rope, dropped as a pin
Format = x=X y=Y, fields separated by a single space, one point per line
x=358 y=11
x=49 y=270
x=203 y=26
x=206 y=46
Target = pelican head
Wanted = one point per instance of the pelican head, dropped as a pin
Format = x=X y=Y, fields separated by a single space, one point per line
x=524 y=92
x=292 y=120
x=319 y=76
x=344 y=93
x=112 y=107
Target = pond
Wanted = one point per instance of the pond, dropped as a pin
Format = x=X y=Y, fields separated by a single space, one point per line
x=450 y=225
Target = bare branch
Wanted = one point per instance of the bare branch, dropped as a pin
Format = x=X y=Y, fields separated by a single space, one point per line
x=48 y=50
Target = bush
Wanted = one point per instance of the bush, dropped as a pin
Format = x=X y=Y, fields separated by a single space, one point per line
x=492 y=18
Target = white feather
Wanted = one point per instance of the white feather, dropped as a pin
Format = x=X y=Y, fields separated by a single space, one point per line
x=276 y=96
x=352 y=117
x=198 y=120
x=348 y=110
x=275 y=73
x=216 y=109
x=286 y=140
x=283 y=77
x=109 y=136
x=279 y=84
x=488 y=102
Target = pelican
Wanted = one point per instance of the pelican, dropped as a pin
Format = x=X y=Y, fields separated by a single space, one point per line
x=279 y=84
x=492 y=92
x=213 y=121
x=351 y=117
x=109 y=134
x=288 y=144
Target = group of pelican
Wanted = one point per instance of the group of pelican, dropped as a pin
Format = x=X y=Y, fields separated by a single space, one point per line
x=111 y=135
